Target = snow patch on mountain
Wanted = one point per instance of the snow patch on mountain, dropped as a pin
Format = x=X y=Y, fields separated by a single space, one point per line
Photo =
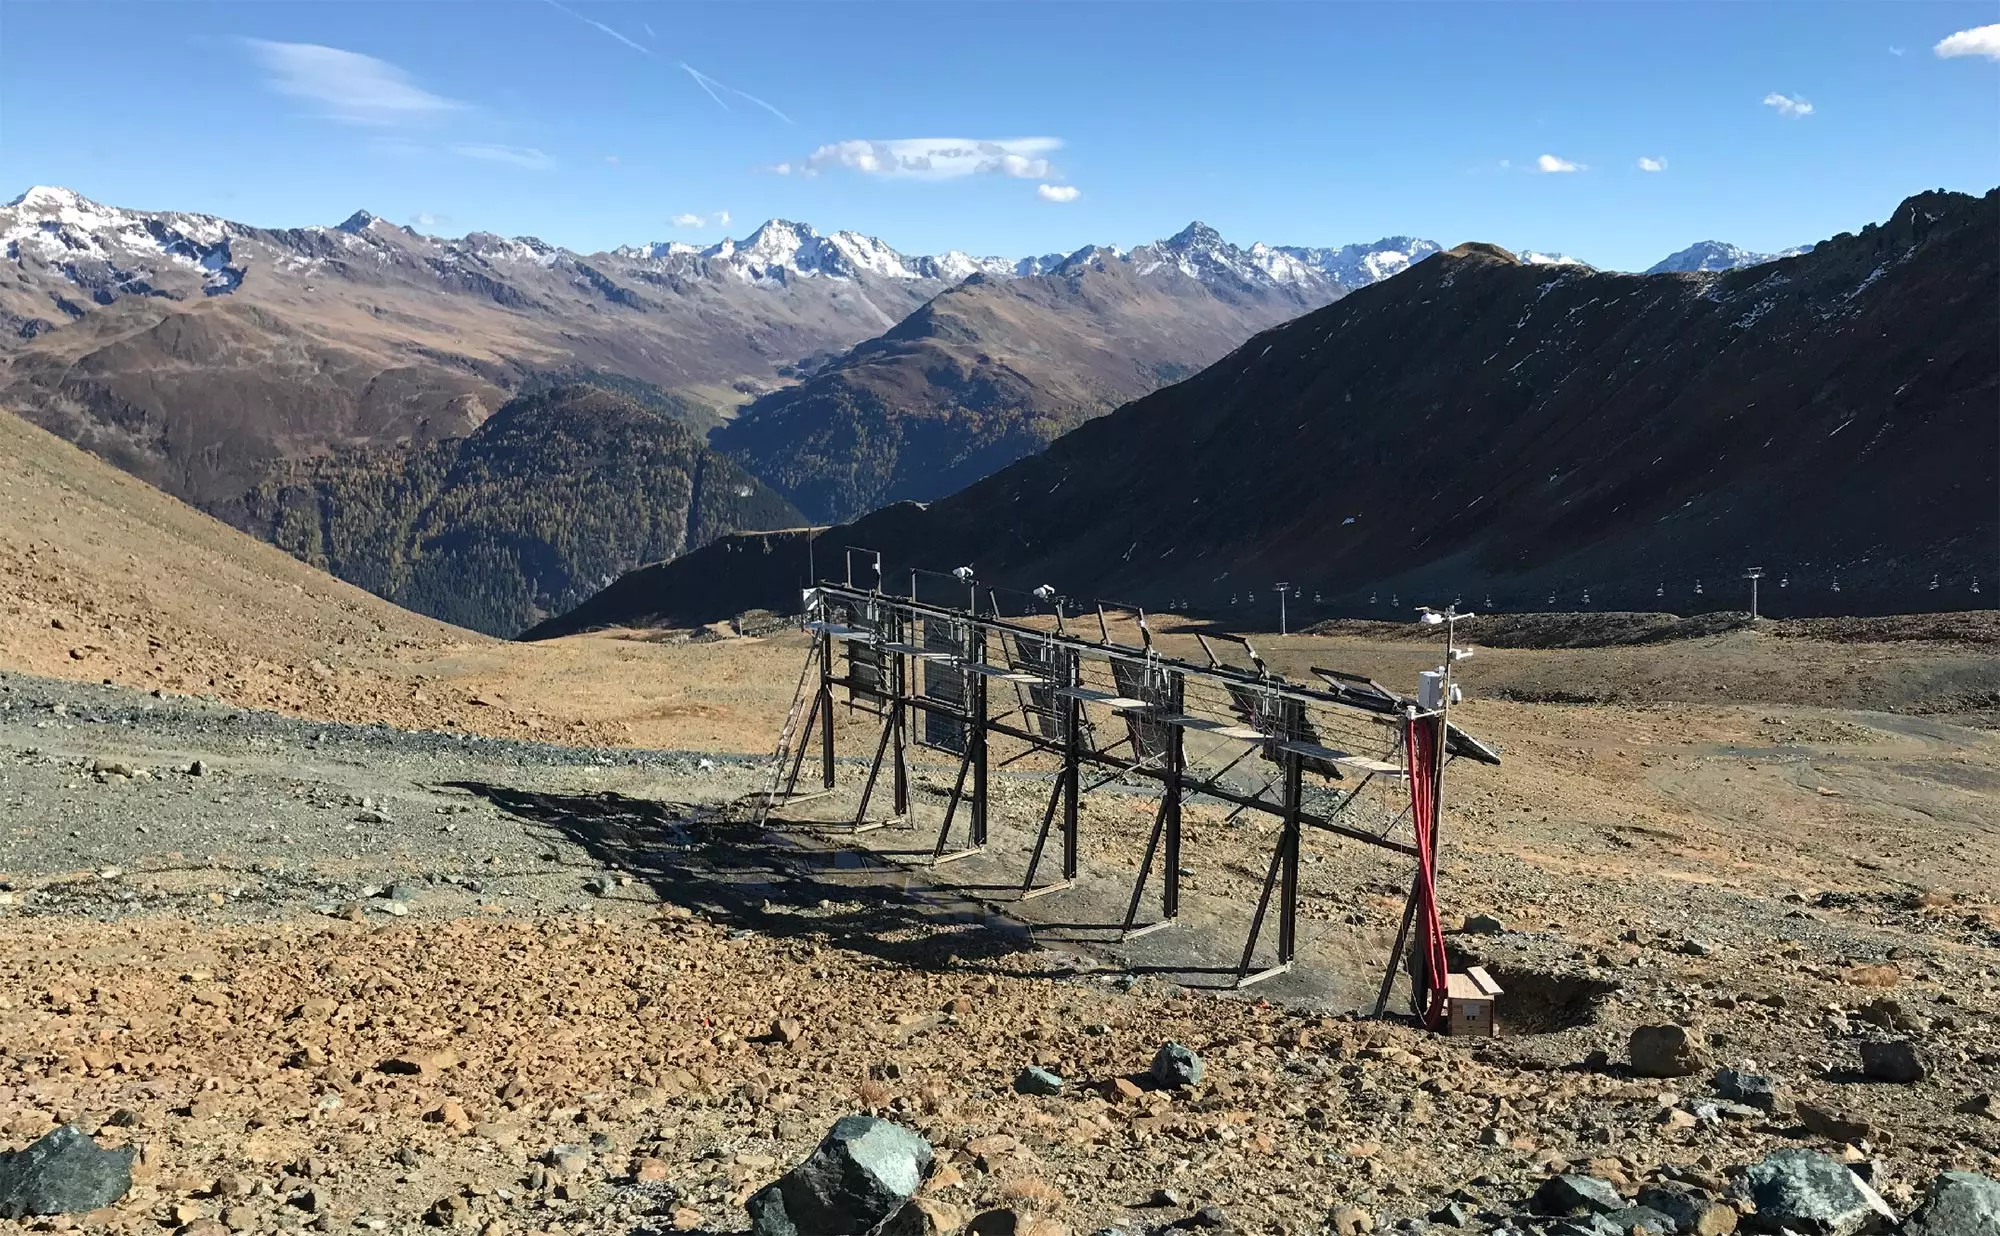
x=1708 y=256
x=1534 y=258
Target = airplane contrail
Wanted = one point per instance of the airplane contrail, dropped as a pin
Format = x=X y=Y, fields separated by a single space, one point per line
x=708 y=84
x=637 y=47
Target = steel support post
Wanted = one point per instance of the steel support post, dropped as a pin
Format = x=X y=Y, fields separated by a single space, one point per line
x=1288 y=891
x=899 y=709
x=977 y=739
x=1072 y=737
x=825 y=706
x=1170 y=896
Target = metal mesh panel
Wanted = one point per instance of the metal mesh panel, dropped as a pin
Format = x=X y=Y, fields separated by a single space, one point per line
x=1283 y=719
x=1038 y=700
x=1150 y=737
x=944 y=683
x=867 y=669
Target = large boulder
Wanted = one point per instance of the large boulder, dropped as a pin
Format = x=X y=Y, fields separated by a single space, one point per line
x=1573 y=1194
x=1174 y=1066
x=1807 y=1193
x=862 y=1173
x=1750 y=1089
x=65 y=1173
x=1694 y=1214
x=1960 y=1204
x=1895 y=1060
x=1664 y=1051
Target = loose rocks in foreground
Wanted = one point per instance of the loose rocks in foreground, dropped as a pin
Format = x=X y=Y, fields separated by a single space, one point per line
x=65 y=1173
x=861 y=1174
x=1960 y=1204
x=1893 y=1061
x=1806 y=1192
x=1571 y=1194
x=1174 y=1066
x=1664 y=1051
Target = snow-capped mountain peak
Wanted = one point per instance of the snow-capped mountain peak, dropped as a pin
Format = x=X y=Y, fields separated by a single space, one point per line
x=1706 y=256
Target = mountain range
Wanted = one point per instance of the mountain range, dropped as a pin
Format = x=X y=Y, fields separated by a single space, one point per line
x=327 y=387
x=1506 y=434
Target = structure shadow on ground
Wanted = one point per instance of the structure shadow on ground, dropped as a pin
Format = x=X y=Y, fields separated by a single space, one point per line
x=741 y=876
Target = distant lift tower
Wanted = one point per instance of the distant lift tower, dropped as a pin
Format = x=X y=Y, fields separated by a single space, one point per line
x=1753 y=575
x=1283 y=588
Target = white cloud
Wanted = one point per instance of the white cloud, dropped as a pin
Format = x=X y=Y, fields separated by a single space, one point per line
x=1550 y=163
x=425 y=218
x=1649 y=164
x=347 y=85
x=611 y=159
x=1058 y=193
x=493 y=152
x=934 y=158
x=1978 y=41
x=1895 y=51
x=1787 y=105
x=689 y=219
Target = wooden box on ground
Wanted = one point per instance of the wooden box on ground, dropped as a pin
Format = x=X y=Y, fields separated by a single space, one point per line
x=1469 y=1001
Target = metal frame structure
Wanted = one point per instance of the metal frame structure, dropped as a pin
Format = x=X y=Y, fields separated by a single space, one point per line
x=1161 y=702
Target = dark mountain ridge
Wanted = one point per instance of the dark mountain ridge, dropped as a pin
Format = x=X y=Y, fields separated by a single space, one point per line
x=1504 y=433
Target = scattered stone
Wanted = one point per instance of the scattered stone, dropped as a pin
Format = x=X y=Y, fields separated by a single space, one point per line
x=1636 y=1221
x=1452 y=1214
x=1207 y=1216
x=1833 y=1125
x=568 y=1159
x=926 y=1216
x=1664 y=1051
x=1483 y=925
x=1692 y=947
x=1572 y=1194
x=861 y=1174
x=197 y=769
x=1895 y=1060
x=64 y=1173
x=1350 y=1221
x=1805 y=1192
x=374 y=815
x=1960 y=1204
x=1979 y=1105
x=1692 y=1215
x=787 y=1030
x=1035 y=1080
x=401 y=892
x=1750 y=1089
x=1174 y=1067
x=600 y=885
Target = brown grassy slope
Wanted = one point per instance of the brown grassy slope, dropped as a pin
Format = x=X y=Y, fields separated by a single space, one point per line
x=154 y=594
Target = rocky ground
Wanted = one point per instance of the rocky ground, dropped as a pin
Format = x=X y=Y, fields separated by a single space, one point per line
x=350 y=977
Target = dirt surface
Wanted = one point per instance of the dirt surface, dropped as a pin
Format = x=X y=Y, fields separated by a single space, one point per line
x=223 y=970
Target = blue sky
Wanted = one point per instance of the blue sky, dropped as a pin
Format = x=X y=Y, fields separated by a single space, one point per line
x=592 y=123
